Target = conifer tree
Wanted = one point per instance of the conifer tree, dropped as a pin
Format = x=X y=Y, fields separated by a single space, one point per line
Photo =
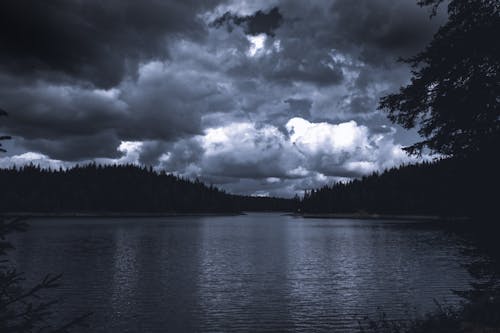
x=453 y=97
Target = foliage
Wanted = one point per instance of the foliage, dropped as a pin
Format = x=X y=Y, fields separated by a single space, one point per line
x=449 y=187
x=118 y=188
x=453 y=96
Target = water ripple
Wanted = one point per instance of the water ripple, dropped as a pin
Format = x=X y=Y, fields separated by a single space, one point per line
x=259 y=273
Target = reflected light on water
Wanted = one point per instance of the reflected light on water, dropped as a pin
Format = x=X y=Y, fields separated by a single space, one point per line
x=258 y=272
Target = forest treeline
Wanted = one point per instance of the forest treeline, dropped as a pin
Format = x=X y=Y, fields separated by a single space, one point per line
x=95 y=188
x=448 y=187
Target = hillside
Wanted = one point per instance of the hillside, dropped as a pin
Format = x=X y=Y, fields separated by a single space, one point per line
x=449 y=187
x=118 y=189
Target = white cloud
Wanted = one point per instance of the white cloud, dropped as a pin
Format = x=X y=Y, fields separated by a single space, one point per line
x=257 y=44
x=131 y=151
x=31 y=158
x=325 y=138
x=308 y=154
x=200 y=111
x=344 y=149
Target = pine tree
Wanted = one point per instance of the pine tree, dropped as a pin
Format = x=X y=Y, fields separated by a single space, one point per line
x=453 y=96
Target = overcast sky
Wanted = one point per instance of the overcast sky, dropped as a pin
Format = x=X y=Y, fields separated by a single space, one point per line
x=259 y=97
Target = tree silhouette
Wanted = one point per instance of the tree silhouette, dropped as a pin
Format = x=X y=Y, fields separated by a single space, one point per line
x=103 y=189
x=453 y=96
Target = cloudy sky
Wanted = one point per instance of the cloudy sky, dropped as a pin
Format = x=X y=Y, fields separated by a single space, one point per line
x=262 y=97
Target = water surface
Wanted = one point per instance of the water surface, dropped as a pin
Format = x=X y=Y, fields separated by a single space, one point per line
x=257 y=272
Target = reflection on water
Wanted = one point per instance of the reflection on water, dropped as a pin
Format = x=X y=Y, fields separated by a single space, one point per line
x=259 y=272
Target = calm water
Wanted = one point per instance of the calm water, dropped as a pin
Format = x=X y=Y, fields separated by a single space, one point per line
x=258 y=272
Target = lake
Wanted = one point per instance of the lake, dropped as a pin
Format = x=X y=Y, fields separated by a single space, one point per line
x=250 y=273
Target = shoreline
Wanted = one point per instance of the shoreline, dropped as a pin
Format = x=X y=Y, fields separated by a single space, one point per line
x=365 y=216
x=359 y=216
x=113 y=214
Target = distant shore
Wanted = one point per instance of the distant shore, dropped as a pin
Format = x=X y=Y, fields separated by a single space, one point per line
x=114 y=214
x=361 y=216
x=367 y=216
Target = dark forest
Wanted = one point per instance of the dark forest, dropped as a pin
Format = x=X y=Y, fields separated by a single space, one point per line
x=450 y=187
x=119 y=189
x=257 y=99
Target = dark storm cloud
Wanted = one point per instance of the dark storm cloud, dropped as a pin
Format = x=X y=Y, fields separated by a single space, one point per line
x=287 y=64
x=54 y=112
x=265 y=97
x=255 y=24
x=363 y=34
x=315 y=70
x=325 y=43
x=182 y=157
x=299 y=107
x=77 y=148
x=95 y=41
x=48 y=115
x=384 y=30
x=361 y=103
x=151 y=152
